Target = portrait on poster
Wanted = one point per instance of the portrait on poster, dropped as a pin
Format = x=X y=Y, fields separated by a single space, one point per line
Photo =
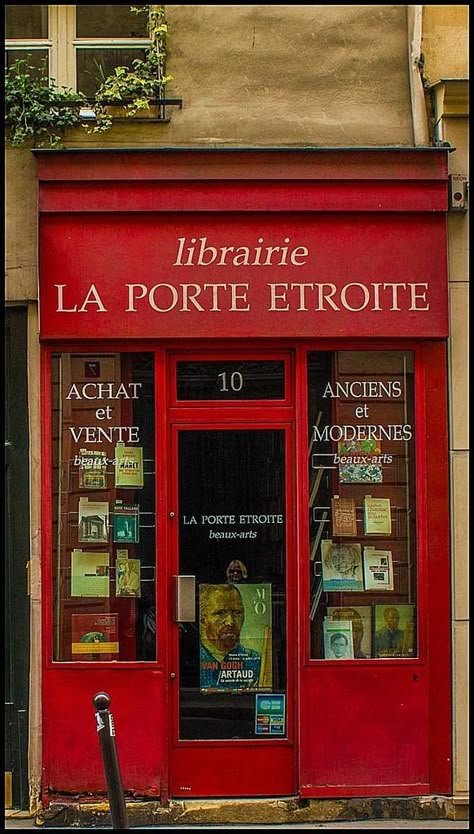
x=342 y=566
x=235 y=631
x=394 y=630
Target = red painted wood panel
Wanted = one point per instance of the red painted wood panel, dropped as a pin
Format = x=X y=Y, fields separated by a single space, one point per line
x=264 y=164
x=230 y=196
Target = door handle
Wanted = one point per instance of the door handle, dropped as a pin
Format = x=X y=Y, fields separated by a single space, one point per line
x=185 y=599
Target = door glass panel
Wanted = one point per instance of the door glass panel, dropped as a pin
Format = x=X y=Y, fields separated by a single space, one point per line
x=241 y=380
x=232 y=538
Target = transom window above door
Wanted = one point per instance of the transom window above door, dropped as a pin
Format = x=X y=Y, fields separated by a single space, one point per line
x=80 y=44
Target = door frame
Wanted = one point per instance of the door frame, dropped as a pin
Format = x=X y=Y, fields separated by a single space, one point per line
x=222 y=767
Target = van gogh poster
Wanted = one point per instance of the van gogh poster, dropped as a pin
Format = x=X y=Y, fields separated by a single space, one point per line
x=235 y=631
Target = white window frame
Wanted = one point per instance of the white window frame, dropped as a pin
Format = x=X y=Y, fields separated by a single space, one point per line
x=62 y=43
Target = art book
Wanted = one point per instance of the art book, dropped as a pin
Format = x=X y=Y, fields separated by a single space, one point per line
x=377 y=516
x=343 y=516
x=127 y=577
x=126 y=522
x=359 y=462
x=235 y=631
x=90 y=574
x=341 y=566
x=378 y=569
x=361 y=619
x=94 y=636
x=93 y=521
x=92 y=469
x=338 y=642
x=128 y=466
x=394 y=630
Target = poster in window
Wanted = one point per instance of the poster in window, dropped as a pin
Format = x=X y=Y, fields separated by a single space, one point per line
x=343 y=516
x=94 y=636
x=342 y=566
x=126 y=523
x=361 y=618
x=92 y=470
x=377 y=516
x=128 y=466
x=90 y=573
x=394 y=630
x=378 y=569
x=235 y=630
x=360 y=462
x=338 y=643
x=93 y=521
x=127 y=577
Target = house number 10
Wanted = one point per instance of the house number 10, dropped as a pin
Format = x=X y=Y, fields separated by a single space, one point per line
x=234 y=382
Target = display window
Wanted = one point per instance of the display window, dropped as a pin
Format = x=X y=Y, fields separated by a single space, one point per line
x=362 y=505
x=103 y=485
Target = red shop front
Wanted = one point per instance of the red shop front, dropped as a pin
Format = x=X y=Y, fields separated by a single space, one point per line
x=245 y=485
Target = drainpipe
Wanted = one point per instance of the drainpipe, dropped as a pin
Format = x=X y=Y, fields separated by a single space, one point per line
x=417 y=93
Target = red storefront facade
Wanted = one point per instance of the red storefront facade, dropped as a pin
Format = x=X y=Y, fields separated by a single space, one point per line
x=263 y=334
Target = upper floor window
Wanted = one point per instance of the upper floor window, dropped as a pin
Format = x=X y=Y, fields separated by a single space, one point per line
x=81 y=44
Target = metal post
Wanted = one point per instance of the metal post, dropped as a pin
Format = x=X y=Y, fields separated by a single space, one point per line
x=106 y=731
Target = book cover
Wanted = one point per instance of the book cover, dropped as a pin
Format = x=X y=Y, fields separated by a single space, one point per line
x=360 y=462
x=94 y=636
x=361 y=619
x=343 y=516
x=378 y=569
x=93 y=521
x=128 y=466
x=92 y=469
x=394 y=630
x=377 y=516
x=89 y=574
x=338 y=642
x=126 y=523
x=342 y=566
x=127 y=577
x=235 y=632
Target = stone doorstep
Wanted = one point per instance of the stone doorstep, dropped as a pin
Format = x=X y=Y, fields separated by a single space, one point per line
x=266 y=811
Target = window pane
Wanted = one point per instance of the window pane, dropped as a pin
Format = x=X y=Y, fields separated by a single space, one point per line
x=245 y=380
x=232 y=506
x=26 y=22
x=110 y=22
x=103 y=479
x=362 y=504
x=94 y=65
x=37 y=58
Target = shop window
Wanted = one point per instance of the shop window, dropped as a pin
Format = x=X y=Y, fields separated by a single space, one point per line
x=103 y=496
x=362 y=505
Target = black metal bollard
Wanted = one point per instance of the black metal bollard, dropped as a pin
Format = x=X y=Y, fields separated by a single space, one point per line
x=106 y=731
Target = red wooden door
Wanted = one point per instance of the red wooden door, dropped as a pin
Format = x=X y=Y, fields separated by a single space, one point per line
x=232 y=665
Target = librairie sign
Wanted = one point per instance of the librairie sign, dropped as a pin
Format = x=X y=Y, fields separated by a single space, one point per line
x=129 y=276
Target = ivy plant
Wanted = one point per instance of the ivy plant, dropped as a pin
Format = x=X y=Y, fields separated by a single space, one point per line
x=36 y=110
x=135 y=87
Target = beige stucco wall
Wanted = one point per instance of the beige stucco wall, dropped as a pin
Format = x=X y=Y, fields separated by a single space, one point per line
x=21 y=248
x=445 y=42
